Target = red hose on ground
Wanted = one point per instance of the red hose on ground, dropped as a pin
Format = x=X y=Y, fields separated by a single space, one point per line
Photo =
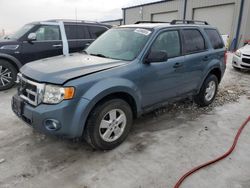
x=180 y=181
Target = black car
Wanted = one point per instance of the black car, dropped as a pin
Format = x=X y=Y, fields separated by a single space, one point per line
x=38 y=40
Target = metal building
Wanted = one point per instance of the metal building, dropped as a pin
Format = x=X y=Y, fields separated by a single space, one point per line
x=231 y=17
x=116 y=22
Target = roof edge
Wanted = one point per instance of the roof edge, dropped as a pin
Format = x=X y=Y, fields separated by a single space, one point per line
x=120 y=19
x=156 y=2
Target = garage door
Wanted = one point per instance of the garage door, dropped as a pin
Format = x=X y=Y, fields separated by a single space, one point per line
x=220 y=16
x=165 y=16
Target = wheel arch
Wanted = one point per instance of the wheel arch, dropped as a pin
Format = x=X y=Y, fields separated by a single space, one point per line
x=119 y=95
x=217 y=73
x=15 y=62
x=213 y=70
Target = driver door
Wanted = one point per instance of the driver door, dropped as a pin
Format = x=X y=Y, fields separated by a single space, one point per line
x=161 y=80
x=48 y=43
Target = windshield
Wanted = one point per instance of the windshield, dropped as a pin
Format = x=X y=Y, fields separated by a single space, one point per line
x=120 y=43
x=21 y=32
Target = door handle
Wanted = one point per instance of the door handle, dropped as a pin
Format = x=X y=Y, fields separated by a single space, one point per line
x=57 y=45
x=87 y=44
x=177 y=65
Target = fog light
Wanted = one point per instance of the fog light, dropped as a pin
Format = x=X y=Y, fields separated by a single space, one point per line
x=52 y=124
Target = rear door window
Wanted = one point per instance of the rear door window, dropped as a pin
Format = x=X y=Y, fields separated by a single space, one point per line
x=82 y=32
x=76 y=32
x=70 y=31
x=193 y=41
x=96 y=31
x=215 y=38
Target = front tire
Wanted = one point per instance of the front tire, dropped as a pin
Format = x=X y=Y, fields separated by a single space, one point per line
x=207 y=92
x=8 y=74
x=108 y=124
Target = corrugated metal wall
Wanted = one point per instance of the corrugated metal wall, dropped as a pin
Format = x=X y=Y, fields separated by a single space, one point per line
x=146 y=12
x=221 y=13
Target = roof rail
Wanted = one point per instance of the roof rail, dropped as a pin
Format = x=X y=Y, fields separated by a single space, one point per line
x=139 y=22
x=71 y=20
x=173 y=22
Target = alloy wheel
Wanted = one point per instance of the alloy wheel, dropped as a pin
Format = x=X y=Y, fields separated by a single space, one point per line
x=5 y=76
x=112 y=125
x=210 y=90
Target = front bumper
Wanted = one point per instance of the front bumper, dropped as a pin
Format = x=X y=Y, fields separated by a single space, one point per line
x=238 y=63
x=71 y=114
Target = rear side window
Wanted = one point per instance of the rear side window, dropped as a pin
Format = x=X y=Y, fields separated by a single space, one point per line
x=96 y=31
x=76 y=32
x=193 y=41
x=214 y=38
x=168 y=42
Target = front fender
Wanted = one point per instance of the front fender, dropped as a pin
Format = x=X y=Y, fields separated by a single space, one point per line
x=97 y=92
x=113 y=85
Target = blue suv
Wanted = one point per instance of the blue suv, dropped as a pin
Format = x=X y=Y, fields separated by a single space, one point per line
x=127 y=71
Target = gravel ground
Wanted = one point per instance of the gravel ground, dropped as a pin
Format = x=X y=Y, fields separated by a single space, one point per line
x=162 y=146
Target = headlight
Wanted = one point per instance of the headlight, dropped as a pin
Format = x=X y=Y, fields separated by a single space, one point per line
x=55 y=94
x=238 y=53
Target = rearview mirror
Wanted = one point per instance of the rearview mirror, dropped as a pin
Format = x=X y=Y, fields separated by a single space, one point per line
x=156 y=57
x=31 y=37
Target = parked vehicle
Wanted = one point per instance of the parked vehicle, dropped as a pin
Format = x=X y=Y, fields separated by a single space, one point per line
x=128 y=71
x=39 y=40
x=241 y=58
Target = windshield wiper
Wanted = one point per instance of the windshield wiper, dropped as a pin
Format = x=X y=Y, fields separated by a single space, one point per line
x=100 y=55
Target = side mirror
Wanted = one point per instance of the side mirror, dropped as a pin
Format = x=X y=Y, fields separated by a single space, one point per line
x=31 y=37
x=156 y=57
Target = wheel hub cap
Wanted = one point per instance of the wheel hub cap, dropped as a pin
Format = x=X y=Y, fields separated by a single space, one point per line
x=5 y=76
x=112 y=125
x=210 y=91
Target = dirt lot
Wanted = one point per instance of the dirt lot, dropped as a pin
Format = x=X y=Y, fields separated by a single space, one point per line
x=161 y=147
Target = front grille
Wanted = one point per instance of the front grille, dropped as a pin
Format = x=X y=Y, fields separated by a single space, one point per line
x=245 y=66
x=246 y=55
x=245 y=60
x=29 y=90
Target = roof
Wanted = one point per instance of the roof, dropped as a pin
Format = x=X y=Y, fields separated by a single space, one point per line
x=72 y=21
x=151 y=3
x=148 y=25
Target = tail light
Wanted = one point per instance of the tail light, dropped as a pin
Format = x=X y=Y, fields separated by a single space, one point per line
x=225 y=57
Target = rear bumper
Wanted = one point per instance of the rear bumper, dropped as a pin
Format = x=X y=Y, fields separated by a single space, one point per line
x=67 y=114
x=238 y=63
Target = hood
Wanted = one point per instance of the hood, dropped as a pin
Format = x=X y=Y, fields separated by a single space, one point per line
x=4 y=42
x=245 y=49
x=59 y=69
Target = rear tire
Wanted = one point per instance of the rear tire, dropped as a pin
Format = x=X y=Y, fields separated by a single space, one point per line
x=207 y=92
x=108 y=124
x=8 y=74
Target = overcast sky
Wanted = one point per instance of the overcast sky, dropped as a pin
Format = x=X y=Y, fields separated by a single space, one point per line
x=15 y=13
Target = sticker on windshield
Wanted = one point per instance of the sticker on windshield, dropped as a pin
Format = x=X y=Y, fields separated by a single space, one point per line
x=142 y=31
